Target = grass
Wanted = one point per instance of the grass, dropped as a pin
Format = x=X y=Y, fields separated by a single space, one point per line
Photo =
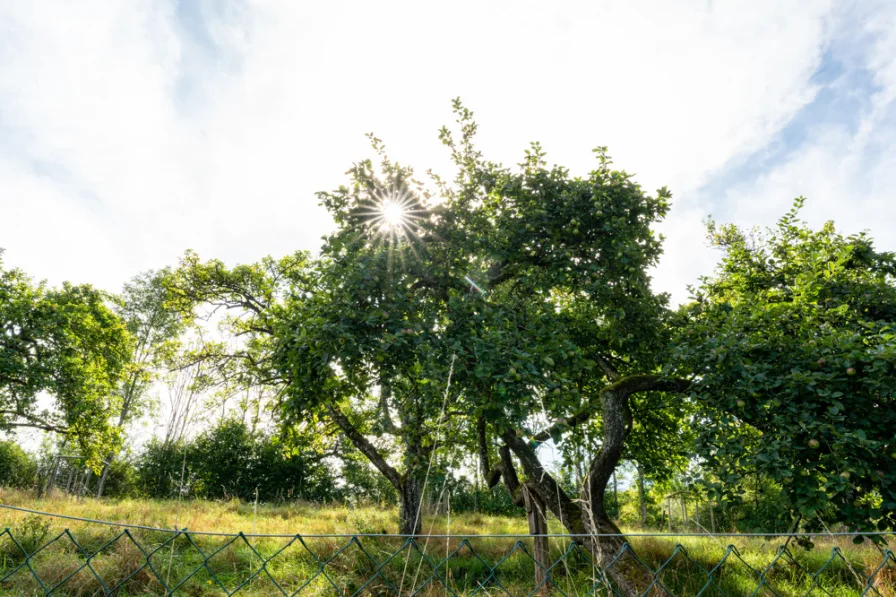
x=371 y=560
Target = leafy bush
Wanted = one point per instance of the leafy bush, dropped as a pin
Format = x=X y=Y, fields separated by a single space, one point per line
x=17 y=467
x=230 y=461
x=31 y=533
x=122 y=480
x=496 y=501
x=364 y=484
x=159 y=468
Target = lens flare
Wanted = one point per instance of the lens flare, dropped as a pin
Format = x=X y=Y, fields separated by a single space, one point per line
x=394 y=219
x=394 y=215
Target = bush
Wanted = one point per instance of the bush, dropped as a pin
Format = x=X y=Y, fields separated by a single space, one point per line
x=122 y=480
x=230 y=461
x=466 y=498
x=159 y=468
x=364 y=484
x=17 y=467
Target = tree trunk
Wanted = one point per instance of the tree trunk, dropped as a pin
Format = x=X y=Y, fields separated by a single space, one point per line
x=101 y=484
x=609 y=548
x=409 y=512
x=538 y=527
x=625 y=572
x=642 y=497
x=52 y=481
x=608 y=553
x=615 y=496
x=125 y=409
x=85 y=483
x=476 y=490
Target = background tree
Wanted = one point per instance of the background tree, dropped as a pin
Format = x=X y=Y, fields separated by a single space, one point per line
x=793 y=347
x=248 y=306
x=155 y=329
x=245 y=303
x=69 y=345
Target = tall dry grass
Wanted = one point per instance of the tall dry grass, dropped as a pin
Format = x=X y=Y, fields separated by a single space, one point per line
x=377 y=565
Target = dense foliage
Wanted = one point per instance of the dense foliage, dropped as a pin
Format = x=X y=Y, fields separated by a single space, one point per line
x=794 y=350
x=17 y=467
x=495 y=313
x=232 y=461
x=66 y=343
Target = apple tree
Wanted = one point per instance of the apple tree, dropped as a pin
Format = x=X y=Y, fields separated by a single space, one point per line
x=792 y=348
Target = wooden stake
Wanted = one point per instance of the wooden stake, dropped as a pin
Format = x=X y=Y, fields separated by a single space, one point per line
x=538 y=525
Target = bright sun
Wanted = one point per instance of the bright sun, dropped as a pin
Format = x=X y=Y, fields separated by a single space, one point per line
x=394 y=215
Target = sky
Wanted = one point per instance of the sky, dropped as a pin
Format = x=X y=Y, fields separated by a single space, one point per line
x=133 y=130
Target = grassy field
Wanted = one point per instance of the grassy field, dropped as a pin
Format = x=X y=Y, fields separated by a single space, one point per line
x=370 y=566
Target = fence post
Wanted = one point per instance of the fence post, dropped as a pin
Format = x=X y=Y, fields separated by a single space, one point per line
x=538 y=526
x=86 y=482
x=68 y=484
x=51 y=484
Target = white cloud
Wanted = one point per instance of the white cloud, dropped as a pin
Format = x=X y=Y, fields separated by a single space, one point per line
x=847 y=171
x=131 y=134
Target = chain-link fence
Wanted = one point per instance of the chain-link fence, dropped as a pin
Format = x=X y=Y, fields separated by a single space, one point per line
x=110 y=559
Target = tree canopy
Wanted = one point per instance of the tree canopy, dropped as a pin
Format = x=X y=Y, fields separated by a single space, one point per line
x=69 y=345
x=792 y=348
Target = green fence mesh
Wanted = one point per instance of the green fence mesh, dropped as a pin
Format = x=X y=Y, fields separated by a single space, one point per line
x=133 y=561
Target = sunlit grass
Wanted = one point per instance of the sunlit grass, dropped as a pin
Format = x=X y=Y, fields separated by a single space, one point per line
x=379 y=561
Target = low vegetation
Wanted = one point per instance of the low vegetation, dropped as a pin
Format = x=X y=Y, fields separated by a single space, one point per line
x=844 y=567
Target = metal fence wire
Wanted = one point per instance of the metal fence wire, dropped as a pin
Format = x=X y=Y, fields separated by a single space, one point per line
x=128 y=560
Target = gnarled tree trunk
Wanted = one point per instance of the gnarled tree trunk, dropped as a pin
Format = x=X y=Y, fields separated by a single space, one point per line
x=606 y=541
x=603 y=539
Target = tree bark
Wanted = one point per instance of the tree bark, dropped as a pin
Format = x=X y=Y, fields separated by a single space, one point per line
x=410 y=497
x=626 y=572
x=604 y=540
x=642 y=497
x=538 y=527
x=491 y=475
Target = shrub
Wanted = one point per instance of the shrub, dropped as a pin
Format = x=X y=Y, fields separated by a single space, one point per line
x=17 y=467
x=159 y=469
x=230 y=461
x=122 y=480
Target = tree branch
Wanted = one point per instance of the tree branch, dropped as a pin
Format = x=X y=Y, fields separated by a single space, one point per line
x=623 y=388
x=508 y=473
x=544 y=485
x=364 y=446
x=32 y=421
x=388 y=423
x=491 y=475
x=607 y=368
